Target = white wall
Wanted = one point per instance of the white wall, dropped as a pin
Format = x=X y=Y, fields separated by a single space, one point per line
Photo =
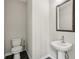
x=15 y=22
x=40 y=28
x=41 y=20
x=55 y=35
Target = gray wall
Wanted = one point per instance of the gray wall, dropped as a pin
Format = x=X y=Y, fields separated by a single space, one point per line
x=55 y=35
x=29 y=28
x=15 y=22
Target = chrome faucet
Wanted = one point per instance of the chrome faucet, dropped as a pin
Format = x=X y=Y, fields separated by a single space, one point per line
x=62 y=38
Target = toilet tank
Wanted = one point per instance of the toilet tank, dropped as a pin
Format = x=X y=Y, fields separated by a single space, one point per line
x=16 y=42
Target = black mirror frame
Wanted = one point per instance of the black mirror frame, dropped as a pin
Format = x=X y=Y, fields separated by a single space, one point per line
x=73 y=19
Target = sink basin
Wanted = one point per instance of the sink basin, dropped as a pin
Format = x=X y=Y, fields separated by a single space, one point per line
x=61 y=46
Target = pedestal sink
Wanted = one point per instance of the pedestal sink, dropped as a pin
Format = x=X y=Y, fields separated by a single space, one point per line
x=61 y=47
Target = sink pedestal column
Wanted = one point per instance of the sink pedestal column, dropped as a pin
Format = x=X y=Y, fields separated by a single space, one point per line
x=61 y=55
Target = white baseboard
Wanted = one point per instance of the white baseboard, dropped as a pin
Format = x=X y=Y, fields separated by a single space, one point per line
x=30 y=57
x=48 y=56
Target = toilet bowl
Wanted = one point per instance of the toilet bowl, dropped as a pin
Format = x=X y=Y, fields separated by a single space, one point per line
x=17 y=48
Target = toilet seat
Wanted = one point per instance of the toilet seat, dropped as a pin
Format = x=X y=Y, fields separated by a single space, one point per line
x=16 y=49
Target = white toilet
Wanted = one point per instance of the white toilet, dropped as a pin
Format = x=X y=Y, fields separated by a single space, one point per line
x=17 y=48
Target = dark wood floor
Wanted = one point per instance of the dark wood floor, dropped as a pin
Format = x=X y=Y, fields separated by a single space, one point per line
x=23 y=55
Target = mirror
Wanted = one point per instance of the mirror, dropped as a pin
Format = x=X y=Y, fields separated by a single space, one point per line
x=65 y=16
